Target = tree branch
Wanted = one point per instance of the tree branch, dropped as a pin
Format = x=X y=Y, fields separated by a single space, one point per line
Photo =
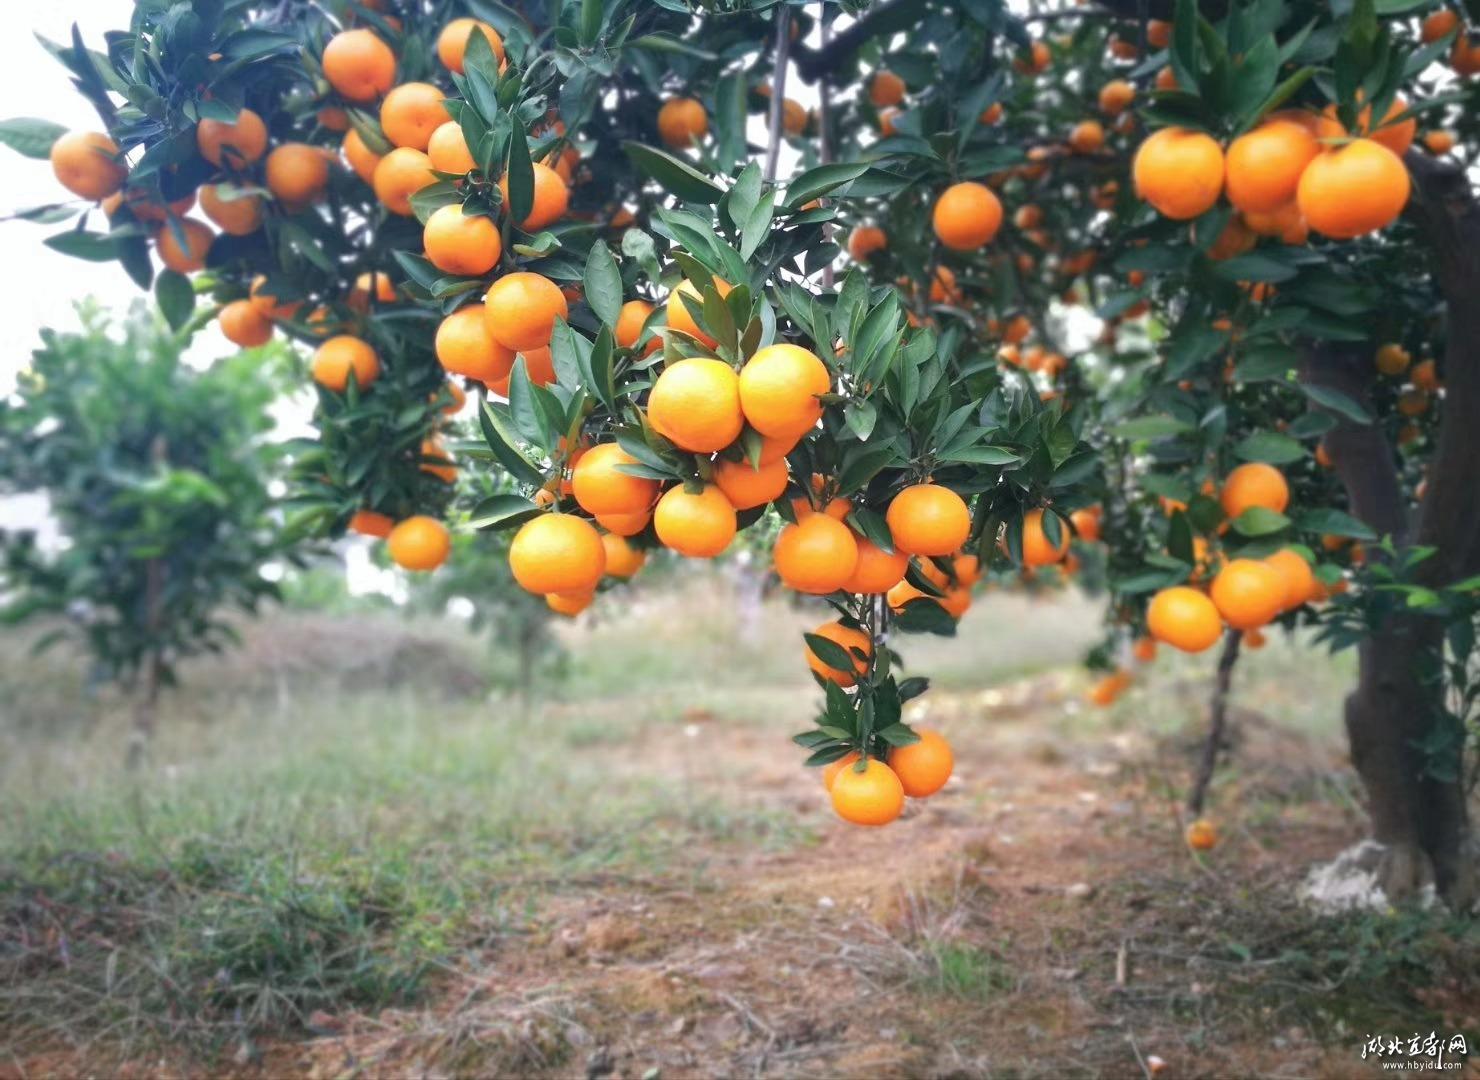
x=1217 y=722
x=777 y=111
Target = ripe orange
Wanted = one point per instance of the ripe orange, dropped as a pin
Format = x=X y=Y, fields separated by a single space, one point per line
x=794 y=118
x=359 y=65
x=682 y=122
x=886 y=121
x=465 y=347
x=927 y=519
x=1184 y=618
x=1116 y=96
x=1166 y=78
x=1248 y=593
x=695 y=404
x=557 y=553
x=1144 y=649
x=333 y=118
x=991 y=114
x=815 y=555
x=1396 y=136
x=966 y=216
x=268 y=304
x=885 y=88
x=872 y=797
x=1234 y=239
x=1439 y=142
x=457 y=243
x=1254 y=484
x=678 y=313
x=1035 y=62
x=1106 y=690
x=539 y=365
x=1413 y=403
x=923 y=767
x=359 y=294
x=190 y=258
x=1464 y=57
x=622 y=559
x=237 y=216
x=699 y=526
x=1202 y=835
x=602 y=488
x=1180 y=172
x=233 y=144
x=748 y=487
x=448 y=151
x=1354 y=189
x=1264 y=165
x=830 y=771
x=1438 y=25
x=419 y=543
x=522 y=308
x=297 y=173
x=569 y=603
x=399 y=175
x=336 y=358
x=86 y=164
x=147 y=205
x=361 y=158
x=853 y=641
x=244 y=325
x=1086 y=523
x=1392 y=359
x=1037 y=550
x=1426 y=375
x=625 y=524
x=877 y=571
x=864 y=240
x=1087 y=137
x=452 y=42
x=779 y=387
x=371 y=523
x=411 y=112
x=630 y=321
x=551 y=198
x=1300 y=582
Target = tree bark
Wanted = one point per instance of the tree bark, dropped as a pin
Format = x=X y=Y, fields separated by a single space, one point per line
x=1217 y=722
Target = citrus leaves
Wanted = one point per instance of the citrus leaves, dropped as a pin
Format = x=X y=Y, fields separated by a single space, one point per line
x=673 y=174
x=29 y=136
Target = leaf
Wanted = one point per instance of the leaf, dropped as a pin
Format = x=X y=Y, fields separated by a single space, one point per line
x=503 y=512
x=898 y=735
x=814 y=183
x=29 y=136
x=499 y=434
x=983 y=455
x=520 y=173
x=1334 y=522
x=1149 y=427
x=1338 y=402
x=925 y=616
x=1271 y=447
x=679 y=177
x=94 y=247
x=1260 y=521
x=1254 y=267
x=603 y=283
x=830 y=653
x=175 y=296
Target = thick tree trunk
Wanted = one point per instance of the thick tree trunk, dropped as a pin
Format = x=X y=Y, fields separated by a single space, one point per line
x=1421 y=821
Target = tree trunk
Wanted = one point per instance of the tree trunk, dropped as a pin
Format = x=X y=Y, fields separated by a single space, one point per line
x=1421 y=821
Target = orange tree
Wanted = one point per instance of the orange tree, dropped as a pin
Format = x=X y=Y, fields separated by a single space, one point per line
x=158 y=477
x=1201 y=178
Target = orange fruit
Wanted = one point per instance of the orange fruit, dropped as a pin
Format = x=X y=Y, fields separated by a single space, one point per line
x=1437 y=25
x=864 y=240
x=1248 y=593
x=1184 y=618
x=622 y=559
x=419 y=543
x=886 y=121
x=370 y=523
x=602 y=488
x=1425 y=376
x=682 y=122
x=448 y=151
x=1413 y=403
x=779 y=387
x=1166 y=79
x=551 y=198
x=872 y=797
x=1106 y=690
x=452 y=42
x=1352 y=190
x=1254 y=484
x=192 y=256
x=1116 y=96
x=297 y=173
x=459 y=399
x=1086 y=523
x=244 y=325
x=885 y=88
x=411 y=112
x=773 y=449
x=336 y=358
x=147 y=205
x=1300 y=581
x=1144 y=649
x=399 y=175
x=851 y=640
x=1087 y=137
x=441 y=465
x=268 y=304
x=927 y=519
x=1439 y=142
x=630 y=321
x=695 y=404
x=625 y=524
x=522 y=308
x=922 y=767
x=678 y=313
x=235 y=144
x=966 y=216
x=1234 y=239
x=333 y=118
x=1035 y=61
x=359 y=65
x=830 y=771
x=557 y=553
x=569 y=603
x=1396 y=136
x=86 y=164
x=991 y=114
x=539 y=365
x=1464 y=57
x=359 y=294
x=1037 y=550
x=235 y=216
x=1285 y=221
x=1202 y=835
x=699 y=526
x=794 y=118
x=1392 y=359
x=876 y=571
x=1179 y=172
x=748 y=487
x=361 y=158
x=1264 y=165
x=457 y=243
x=465 y=347
x=815 y=555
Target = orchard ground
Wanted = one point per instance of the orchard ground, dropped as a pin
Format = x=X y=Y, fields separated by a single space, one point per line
x=356 y=852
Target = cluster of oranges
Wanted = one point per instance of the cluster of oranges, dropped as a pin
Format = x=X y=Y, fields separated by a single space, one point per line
x=871 y=791
x=1422 y=384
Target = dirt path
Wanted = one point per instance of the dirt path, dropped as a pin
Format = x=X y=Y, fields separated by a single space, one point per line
x=1038 y=918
